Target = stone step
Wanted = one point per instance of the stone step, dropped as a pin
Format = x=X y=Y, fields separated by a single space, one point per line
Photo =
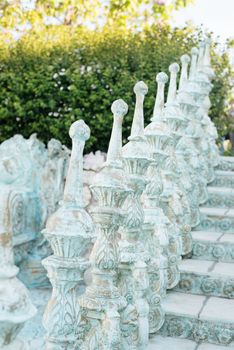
x=221 y=197
x=216 y=220
x=215 y=246
x=226 y=163
x=169 y=343
x=223 y=179
x=206 y=278
x=199 y=318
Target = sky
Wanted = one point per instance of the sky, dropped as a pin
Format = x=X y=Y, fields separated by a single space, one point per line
x=215 y=15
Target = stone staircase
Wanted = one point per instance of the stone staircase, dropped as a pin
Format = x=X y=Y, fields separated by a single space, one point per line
x=200 y=309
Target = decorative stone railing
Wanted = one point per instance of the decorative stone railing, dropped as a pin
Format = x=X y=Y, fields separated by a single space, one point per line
x=110 y=269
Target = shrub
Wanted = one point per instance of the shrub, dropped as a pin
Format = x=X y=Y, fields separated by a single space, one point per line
x=49 y=80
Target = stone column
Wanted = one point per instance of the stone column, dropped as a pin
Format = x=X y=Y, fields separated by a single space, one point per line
x=70 y=232
x=102 y=302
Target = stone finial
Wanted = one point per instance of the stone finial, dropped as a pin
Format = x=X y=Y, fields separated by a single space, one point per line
x=173 y=69
x=193 y=67
x=206 y=61
x=119 y=109
x=73 y=191
x=161 y=79
x=140 y=89
x=184 y=59
x=201 y=54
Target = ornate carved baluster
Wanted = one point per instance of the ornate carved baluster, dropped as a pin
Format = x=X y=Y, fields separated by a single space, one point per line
x=15 y=304
x=186 y=147
x=176 y=165
x=137 y=263
x=159 y=138
x=174 y=199
x=199 y=88
x=70 y=232
x=102 y=301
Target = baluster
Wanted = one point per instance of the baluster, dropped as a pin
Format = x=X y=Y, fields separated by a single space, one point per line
x=159 y=137
x=70 y=232
x=174 y=199
x=102 y=301
x=15 y=305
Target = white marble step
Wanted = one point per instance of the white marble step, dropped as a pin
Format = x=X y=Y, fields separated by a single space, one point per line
x=215 y=246
x=169 y=343
x=200 y=307
x=216 y=220
x=223 y=178
x=204 y=277
x=199 y=318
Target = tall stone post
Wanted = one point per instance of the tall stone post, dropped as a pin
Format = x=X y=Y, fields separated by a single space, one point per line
x=70 y=232
x=15 y=304
x=167 y=232
x=102 y=302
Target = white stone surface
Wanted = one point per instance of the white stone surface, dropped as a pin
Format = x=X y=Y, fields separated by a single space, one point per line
x=183 y=304
x=221 y=190
x=206 y=235
x=230 y=213
x=214 y=211
x=227 y=238
x=195 y=266
x=218 y=309
x=214 y=347
x=224 y=173
x=224 y=269
x=166 y=343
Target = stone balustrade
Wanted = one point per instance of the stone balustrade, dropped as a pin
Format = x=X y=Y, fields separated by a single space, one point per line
x=116 y=244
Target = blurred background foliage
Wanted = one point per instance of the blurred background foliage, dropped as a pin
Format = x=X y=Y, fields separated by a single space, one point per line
x=65 y=60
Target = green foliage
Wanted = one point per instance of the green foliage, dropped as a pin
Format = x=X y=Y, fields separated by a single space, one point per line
x=51 y=78
x=19 y=14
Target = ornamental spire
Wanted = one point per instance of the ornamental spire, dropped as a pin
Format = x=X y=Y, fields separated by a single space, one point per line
x=137 y=129
x=173 y=69
x=193 y=67
x=161 y=79
x=119 y=108
x=185 y=59
x=73 y=191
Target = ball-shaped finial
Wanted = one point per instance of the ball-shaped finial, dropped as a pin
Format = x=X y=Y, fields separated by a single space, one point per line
x=185 y=59
x=162 y=78
x=140 y=88
x=174 y=68
x=119 y=108
x=194 y=51
x=79 y=130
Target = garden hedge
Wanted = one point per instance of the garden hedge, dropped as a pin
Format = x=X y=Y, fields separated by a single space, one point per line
x=48 y=81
